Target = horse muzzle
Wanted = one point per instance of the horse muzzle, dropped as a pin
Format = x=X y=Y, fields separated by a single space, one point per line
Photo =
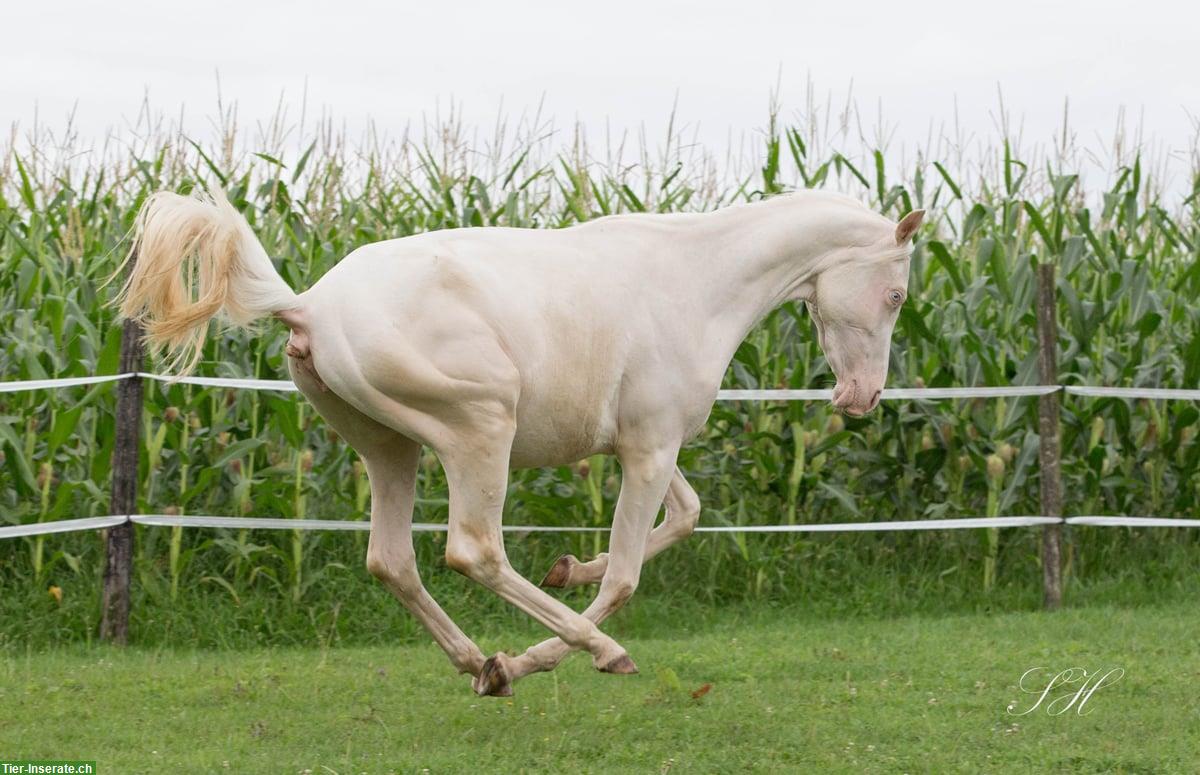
x=851 y=398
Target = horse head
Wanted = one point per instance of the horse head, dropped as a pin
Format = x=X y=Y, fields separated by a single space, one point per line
x=854 y=302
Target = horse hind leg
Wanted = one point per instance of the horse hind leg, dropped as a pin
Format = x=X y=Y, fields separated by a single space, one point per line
x=391 y=460
x=391 y=559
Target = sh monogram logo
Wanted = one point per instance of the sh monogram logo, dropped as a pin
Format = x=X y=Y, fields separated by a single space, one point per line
x=1062 y=691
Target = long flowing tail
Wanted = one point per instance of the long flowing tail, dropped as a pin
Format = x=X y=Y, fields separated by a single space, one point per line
x=197 y=256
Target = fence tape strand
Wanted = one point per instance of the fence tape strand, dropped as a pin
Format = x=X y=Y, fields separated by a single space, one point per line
x=42 y=384
x=1119 y=392
x=918 y=394
x=1132 y=522
x=283 y=523
x=916 y=524
x=60 y=526
x=910 y=394
x=281 y=385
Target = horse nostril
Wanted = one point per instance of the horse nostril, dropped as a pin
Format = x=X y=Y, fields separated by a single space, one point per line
x=875 y=398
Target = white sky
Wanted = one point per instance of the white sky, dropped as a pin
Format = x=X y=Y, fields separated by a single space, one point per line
x=612 y=60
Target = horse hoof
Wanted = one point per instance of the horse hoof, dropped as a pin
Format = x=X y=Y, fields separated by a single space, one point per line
x=493 y=680
x=622 y=665
x=560 y=572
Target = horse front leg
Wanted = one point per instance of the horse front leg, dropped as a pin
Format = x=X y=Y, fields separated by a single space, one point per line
x=682 y=507
x=475 y=457
x=644 y=479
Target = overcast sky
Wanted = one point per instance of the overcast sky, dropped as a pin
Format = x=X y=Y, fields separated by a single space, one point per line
x=612 y=60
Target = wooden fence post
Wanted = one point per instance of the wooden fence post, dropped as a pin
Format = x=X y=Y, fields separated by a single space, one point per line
x=1048 y=425
x=118 y=569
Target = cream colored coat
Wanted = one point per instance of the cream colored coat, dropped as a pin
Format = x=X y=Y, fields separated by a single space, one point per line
x=502 y=348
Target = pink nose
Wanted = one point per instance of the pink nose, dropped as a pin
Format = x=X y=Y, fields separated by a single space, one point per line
x=846 y=398
x=844 y=394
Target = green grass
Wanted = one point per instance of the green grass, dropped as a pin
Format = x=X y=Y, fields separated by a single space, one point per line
x=825 y=576
x=789 y=693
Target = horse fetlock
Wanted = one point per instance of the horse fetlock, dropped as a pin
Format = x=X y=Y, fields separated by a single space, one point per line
x=536 y=660
x=469 y=660
x=592 y=571
x=688 y=520
x=603 y=649
x=568 y=572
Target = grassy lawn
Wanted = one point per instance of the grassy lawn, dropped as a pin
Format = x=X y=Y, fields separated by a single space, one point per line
x=914 y=694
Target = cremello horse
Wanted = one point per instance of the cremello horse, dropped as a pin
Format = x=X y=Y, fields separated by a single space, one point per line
x=509 y=348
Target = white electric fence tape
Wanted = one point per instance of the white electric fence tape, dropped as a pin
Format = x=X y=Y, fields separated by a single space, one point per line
x=60 y=526
x=279 y=523
x=258 y=523
x=916 y=524
x=1118 y=392
x=1132 y=522
x=41 y=384
x=970 y=392
x=325 y=524
x=774 y=395
x=282 y=385
x=919 y=394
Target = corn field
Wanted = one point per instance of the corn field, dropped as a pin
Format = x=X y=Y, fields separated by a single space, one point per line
x=1128 y=279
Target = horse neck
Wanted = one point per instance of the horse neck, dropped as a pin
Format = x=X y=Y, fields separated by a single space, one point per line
x=753 y=258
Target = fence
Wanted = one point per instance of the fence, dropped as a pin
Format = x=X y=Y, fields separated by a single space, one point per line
x=115 y=614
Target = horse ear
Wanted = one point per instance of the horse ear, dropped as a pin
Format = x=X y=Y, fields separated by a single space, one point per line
x=908 y=226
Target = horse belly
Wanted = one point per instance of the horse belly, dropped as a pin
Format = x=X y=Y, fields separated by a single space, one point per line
x=558 y=430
